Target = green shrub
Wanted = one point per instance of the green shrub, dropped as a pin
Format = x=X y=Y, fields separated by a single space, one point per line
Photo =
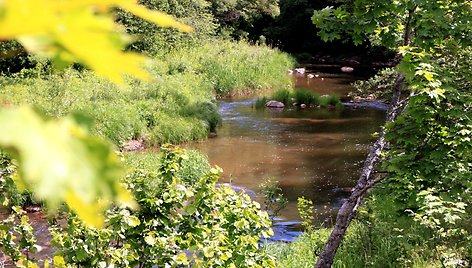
x=181 y=221
x=274 y=200
x=380 y=85
x=381 y=236
x=10 y=195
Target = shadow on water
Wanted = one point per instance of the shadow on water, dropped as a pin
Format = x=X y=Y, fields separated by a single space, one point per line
x=315 y=153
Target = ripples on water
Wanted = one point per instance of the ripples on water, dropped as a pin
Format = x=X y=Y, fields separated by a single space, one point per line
x=314 y=153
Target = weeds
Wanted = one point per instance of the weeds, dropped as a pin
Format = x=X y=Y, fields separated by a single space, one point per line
x=302 y=98
x=274 y=200
x=329 y=100
x=282 y=95
x=261 y=102
x=177 y=106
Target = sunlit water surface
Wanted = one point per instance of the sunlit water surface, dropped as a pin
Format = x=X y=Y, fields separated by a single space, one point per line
x=316 y=153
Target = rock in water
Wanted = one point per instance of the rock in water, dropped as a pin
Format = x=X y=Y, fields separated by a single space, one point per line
x=275 y=104
x=346 y=69
x=300 y=70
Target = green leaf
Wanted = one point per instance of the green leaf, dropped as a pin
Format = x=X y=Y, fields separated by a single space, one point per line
x=132 y=221
x=150 y=240
x=60 y=162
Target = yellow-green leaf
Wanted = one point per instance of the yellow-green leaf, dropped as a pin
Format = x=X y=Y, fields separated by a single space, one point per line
x=59 y=262
x=60 y=162
x=79 y=31
x=157 y=17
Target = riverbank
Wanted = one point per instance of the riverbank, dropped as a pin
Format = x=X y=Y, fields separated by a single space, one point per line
x=177 y=105
x=379 y=236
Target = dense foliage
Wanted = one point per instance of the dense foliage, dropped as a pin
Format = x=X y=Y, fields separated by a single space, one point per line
x=152 y=39
x=185 y=218
x=428 y=162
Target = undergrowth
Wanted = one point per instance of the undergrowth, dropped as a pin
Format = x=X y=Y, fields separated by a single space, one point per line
x=177 y=105
x=381 y=236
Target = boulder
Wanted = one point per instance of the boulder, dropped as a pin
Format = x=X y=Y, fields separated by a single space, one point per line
x=275 y=104
x=300 y=70
x=134 y=145
x=346 y=69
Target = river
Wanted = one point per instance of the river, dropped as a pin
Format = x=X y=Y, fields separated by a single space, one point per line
x=316 y=153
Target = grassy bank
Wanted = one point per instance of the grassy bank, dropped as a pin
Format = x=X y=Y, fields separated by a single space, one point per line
x=234 y=68
x=177 y=105
x=379 y=237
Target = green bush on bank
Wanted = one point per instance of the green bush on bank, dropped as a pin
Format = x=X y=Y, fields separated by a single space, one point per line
x=184 y=219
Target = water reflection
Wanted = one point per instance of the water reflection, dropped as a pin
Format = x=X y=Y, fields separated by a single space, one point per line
x=314 y=153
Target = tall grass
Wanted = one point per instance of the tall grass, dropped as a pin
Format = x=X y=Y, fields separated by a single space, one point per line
x=173 y=108
x=234 y=68
x=329 y=100
x=177 y=105
x=300 y=97
x=303 y=96
x=282 y=95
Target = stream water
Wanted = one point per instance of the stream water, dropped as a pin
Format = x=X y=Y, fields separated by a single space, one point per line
x=316 y=153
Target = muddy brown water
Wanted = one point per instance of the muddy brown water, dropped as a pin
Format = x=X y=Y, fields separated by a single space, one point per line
x=316 y=153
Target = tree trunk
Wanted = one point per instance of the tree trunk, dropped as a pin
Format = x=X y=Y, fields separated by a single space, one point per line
x=366 y=181
x=367 y=178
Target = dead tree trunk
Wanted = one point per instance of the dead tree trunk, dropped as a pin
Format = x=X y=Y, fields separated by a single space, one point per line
x=366 y=181
x=367 y=178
